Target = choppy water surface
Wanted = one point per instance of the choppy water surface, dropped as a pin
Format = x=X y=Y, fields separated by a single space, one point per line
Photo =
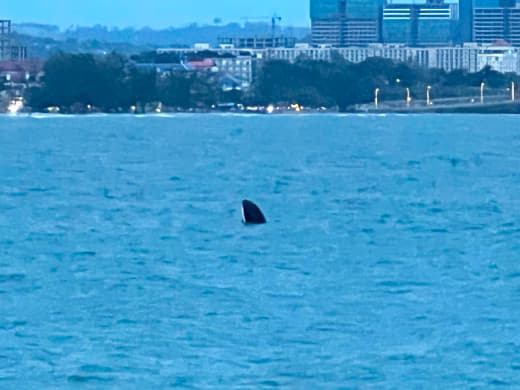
x=391 y=258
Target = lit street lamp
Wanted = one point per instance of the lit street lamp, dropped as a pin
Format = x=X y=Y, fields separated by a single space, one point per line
x=376 y=97
x=428 y=99
x=482 y=85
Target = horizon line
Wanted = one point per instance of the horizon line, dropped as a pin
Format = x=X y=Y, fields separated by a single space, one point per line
x=63 y=28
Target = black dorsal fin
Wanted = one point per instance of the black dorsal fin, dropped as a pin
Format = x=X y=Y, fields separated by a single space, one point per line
x=251 y=213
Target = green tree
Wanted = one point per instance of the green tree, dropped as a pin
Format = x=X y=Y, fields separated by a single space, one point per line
x=72 y=79
x=175 y=91
x=142 y=86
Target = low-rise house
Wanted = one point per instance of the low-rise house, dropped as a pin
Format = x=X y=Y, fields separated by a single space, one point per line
x=239 y=65
x=14 y=73
x=165 y=69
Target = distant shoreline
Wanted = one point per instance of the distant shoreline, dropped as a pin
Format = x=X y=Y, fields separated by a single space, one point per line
x=487 y=111
x=489 y=108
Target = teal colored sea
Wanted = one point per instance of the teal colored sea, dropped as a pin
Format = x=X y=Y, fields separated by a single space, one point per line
x=390 y=260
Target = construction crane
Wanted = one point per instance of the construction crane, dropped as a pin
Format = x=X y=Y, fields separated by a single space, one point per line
x=274 y=20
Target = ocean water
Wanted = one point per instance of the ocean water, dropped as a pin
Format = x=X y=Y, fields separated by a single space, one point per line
x=391 y=259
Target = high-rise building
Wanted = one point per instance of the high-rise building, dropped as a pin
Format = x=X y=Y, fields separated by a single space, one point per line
x=327 y=20
x=464 y=29
x=495 y=20
x=9 y=50
x=414 y=22
x=362 y=22
x=345 y=22
x=431 y=23
x=5 y=40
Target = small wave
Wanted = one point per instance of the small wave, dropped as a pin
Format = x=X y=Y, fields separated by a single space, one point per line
x=499 y=382
x=157 y=278
x=393 y=283
x=404 y=291
x=390 y=262
x=508 y=224
x=39 y=189
x=87 y=378
x=509 y=232
x=236 y=132
x=18 y=194
x=12 y=278
x=13 y=325
x=439 y=231
x=266 y=360
x=94 y=368
x=453 y=161
x=269 y=384
x=168 y=238
x=51 y=116
x=60 y=339
x=473 y=228
x=405 y=357
x=16 y=324
x=84 y=254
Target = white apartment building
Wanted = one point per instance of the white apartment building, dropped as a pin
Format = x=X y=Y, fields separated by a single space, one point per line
x=241 y=63
x=502 y=58
x=239 y=67
x=447 y=58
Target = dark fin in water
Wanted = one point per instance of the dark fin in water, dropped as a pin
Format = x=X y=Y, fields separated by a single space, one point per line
x=251 y=213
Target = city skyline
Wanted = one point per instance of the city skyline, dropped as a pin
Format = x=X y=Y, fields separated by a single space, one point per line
x=154 y=14
x=345 y=23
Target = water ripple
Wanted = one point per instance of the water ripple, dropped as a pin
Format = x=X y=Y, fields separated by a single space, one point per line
x=390 y=259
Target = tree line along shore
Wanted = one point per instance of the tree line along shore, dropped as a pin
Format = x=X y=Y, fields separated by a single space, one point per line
x=82 y=83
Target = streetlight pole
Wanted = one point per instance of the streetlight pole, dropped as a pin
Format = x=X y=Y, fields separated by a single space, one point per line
x=428 y=100
x=482 y=85
x=408 y=97
x=376 y=98
x=513 y=91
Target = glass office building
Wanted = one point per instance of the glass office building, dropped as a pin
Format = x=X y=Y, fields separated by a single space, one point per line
x=414 y=22
x=464 y=30
x=432 y=23
x=496 y=20
x=327 y=21
x=345 y=22
x=363 y=9
x=326 y=9
x=362 y=25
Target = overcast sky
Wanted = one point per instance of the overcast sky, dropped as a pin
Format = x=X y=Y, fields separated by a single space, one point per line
x=153 y=13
